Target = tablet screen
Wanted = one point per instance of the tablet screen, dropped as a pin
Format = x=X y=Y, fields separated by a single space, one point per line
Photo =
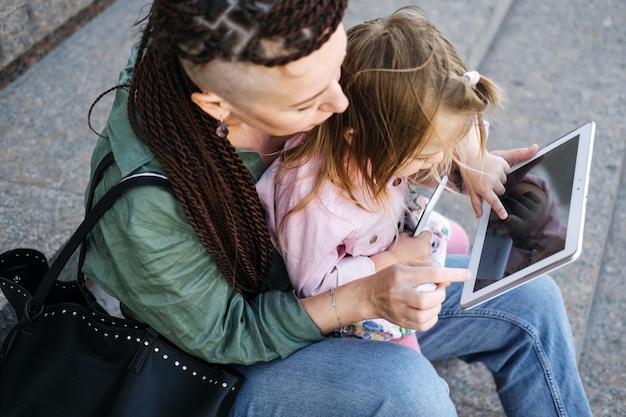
x=537 y=199
x=545 y=198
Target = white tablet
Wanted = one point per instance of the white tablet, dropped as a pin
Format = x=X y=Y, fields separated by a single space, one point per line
x=545 y=198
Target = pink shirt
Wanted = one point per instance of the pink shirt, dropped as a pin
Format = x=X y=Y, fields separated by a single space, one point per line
x=329 y=242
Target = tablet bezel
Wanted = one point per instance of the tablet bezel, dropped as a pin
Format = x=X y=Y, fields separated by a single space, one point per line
x=574 y=233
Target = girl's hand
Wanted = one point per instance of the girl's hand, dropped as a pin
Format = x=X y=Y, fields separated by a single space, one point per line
x=406 y=248
x=511 y=157
x=484 y=178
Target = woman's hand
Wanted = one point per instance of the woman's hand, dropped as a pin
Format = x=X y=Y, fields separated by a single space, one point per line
x=394 y=295
x=390 y=294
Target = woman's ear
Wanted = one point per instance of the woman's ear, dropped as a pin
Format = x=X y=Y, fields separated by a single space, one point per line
x=212 y=104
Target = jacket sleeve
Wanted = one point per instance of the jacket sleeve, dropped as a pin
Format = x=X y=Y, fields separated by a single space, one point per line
x=145 y=253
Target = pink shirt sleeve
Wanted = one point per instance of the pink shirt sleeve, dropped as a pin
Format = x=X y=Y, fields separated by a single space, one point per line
x=315 y=252
x=313 y=241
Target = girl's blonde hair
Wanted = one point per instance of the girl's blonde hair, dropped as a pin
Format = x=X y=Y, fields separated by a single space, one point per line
x=399 y=71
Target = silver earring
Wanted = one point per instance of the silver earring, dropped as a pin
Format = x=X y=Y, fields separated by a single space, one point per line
x=222 y=130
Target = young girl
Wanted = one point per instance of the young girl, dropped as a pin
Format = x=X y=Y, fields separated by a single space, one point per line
x=337 y=197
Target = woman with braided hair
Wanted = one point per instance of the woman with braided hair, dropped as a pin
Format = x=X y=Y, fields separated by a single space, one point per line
x=206 y=93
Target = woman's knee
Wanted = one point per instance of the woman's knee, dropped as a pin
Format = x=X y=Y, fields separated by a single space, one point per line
x=413 y=387
x=540 y=299
x=347 y=377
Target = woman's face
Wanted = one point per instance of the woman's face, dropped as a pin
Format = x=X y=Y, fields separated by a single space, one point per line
x=289 y=99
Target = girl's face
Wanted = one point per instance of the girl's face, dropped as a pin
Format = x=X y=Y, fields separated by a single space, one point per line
x=424 y=160
x=289 y=99
x=448 y=129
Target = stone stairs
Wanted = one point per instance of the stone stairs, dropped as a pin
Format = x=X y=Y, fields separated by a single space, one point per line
x=560 y=64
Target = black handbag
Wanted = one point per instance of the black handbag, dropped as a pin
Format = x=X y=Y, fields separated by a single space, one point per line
x=67 y=356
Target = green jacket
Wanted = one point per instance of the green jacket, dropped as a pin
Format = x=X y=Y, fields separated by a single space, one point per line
x=145 y=253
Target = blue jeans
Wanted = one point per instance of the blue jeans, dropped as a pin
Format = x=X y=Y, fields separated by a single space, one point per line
x=523 y=337
x=345 y=377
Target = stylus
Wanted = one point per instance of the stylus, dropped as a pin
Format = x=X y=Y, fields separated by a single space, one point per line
x=421 y=223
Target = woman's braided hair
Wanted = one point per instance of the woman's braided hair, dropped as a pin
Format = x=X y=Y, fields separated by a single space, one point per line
x=209 y=179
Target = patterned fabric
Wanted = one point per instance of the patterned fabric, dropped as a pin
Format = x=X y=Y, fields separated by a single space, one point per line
x=439 y=226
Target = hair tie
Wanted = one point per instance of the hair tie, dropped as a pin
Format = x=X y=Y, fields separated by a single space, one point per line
x=473 y=77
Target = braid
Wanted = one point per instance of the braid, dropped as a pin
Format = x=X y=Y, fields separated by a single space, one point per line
x=246 y=30
x=296 y=15
x=209 y=179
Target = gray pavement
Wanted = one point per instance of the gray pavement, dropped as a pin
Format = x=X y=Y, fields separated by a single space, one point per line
x=561 y=64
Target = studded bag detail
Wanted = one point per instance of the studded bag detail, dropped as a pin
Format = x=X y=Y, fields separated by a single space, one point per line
x=66 y=356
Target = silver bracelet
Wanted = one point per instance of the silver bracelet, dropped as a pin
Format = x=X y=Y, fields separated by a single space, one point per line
x=333 y=301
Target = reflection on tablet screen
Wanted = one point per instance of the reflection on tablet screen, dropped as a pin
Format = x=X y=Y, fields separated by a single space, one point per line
x=537 y=199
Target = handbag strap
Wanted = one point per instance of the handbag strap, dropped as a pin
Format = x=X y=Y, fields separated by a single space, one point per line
x=91 y=218
x=97 y=176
